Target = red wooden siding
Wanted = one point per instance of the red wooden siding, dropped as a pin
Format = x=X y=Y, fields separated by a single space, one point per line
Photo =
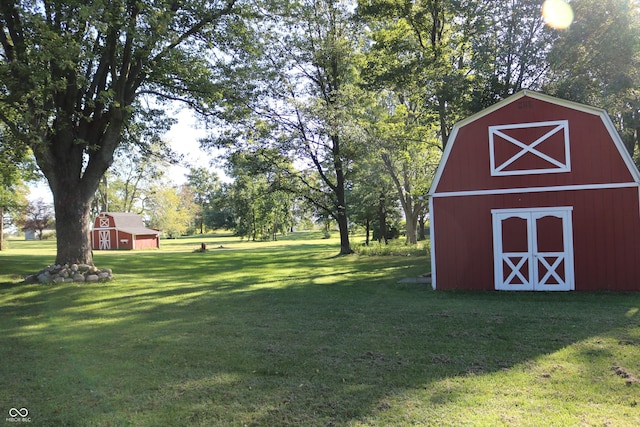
x=146 y=242
x=97 y=223
x=606 y=224
x=591 y=147
x=125 y=240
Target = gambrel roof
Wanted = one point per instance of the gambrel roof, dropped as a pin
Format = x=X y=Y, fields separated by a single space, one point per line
x=533 y=147
x=130 y=223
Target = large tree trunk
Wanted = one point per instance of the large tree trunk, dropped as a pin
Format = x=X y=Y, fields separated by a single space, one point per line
x=74 y=188
x=1 y=228
x=343 y=226
x=73 y=211
x=421 y=229
x=367 y=222
x=410 y=206
x=341 y=208
x=411 y=228
x=382 y=219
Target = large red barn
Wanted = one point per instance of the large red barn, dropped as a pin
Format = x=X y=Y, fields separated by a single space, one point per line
x=536 y=193
x=122 y=230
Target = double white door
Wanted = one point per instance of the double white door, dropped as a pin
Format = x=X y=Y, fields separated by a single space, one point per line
x=104 y=239
x=533 y=249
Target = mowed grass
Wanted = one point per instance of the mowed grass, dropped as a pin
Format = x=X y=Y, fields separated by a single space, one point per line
x=287 y=334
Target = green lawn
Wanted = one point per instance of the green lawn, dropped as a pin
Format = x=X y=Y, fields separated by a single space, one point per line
x=286 y=334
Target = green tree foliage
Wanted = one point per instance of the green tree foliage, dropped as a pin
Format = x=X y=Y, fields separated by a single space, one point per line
x=419 y=63
x=420 y=52
x=371 y=196
x=408 y=149
x=509 y=50
x=127 y=185
x=16 y=169
x=260 y=208
x=171 y=209
x=73 y=75
x=38 y=216
x=296 y=96
x=206 y=188
x=13 y=196
x=597 y=61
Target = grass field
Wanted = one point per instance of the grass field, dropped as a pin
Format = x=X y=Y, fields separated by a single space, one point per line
x=286 y=334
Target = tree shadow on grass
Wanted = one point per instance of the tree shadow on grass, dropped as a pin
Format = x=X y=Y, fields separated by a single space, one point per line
x=223 y=348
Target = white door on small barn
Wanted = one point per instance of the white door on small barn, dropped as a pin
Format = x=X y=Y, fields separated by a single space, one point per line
x=533 y=249
x=104 y=239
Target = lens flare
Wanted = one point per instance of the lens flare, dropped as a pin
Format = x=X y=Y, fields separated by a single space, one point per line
x=557 y=14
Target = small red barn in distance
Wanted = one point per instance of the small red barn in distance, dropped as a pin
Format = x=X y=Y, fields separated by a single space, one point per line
x=536 y=193
x=122 y=230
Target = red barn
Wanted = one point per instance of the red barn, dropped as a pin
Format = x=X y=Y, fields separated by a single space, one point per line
x=122 y=230
x=536 y=193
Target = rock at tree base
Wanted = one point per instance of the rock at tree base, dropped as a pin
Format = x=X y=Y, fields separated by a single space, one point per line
x=73 y=273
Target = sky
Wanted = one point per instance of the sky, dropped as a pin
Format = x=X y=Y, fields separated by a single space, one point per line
x=183 y=139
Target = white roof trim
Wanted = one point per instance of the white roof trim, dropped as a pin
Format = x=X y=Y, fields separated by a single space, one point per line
x=633 y=170
x=521 y=190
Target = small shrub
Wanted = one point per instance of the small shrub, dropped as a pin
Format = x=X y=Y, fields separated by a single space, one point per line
x=393 y=248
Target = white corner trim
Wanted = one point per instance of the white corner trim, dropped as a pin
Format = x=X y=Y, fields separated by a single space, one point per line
x=433 y=245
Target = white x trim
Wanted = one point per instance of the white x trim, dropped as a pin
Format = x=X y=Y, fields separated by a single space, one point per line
x=516 y=269
x=555 y=165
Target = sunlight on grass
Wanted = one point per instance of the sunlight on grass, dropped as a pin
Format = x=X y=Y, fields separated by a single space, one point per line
x=574 y=385
x=287 y=333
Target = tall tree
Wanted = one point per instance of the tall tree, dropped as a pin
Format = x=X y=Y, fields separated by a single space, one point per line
x=13 y=193
x=297 y=96
x=597 y=61
x=38 y=217
x=16 y=169
x=260 y=207
x=407 y=143
x=205 y=186
x=421 y=52
x=128 y=184
x=171 y=209
x=510 y=51
x=73 y=73
x=371 y=196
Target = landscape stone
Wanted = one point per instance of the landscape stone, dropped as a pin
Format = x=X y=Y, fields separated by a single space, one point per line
x=70 y=273
x=44 y=278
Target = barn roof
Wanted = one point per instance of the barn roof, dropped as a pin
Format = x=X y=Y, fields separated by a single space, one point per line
x=598 y=113
x=130 y=223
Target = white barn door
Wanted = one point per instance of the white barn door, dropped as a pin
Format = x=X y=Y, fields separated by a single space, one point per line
x=533 y=249
x=104 y=239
